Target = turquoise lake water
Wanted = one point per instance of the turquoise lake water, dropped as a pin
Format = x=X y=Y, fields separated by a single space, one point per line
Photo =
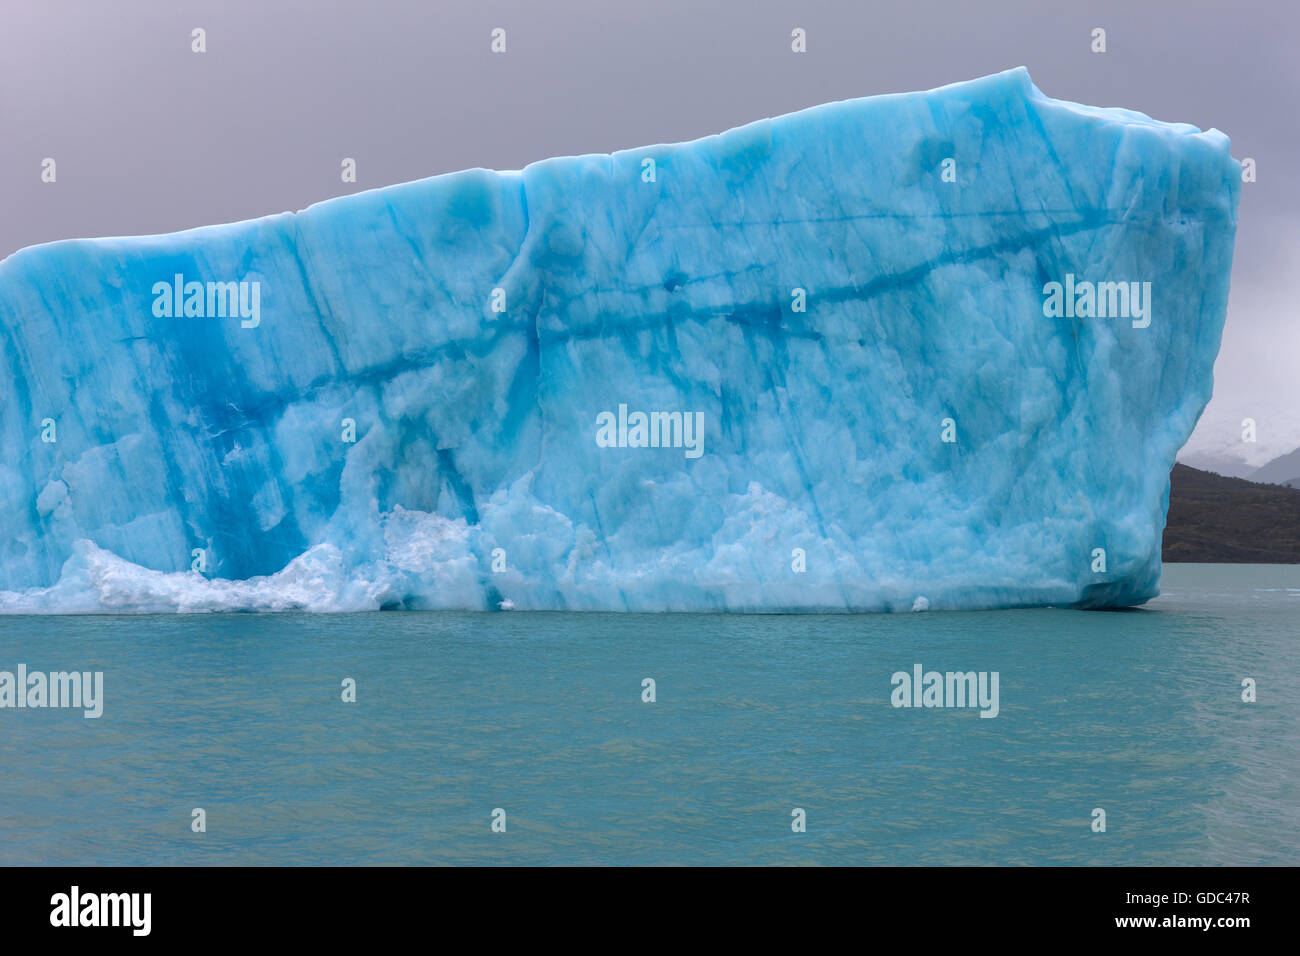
x=1136 y=712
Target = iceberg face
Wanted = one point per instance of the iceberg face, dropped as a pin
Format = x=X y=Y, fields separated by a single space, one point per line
x=923 y=351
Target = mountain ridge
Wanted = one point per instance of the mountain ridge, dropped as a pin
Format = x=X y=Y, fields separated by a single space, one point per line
x=1224 y=520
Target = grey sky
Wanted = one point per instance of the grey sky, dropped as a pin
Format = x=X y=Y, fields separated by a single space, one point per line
x=150 y=137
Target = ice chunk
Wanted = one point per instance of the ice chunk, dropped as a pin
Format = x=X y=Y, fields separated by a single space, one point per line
x=942 y=344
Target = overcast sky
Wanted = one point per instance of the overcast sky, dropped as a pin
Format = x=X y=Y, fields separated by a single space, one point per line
x=150 y=137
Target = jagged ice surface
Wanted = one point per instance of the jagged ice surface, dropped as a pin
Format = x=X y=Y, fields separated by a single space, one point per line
x=477 y=429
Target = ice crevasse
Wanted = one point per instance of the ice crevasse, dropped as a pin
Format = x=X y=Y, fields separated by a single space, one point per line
x=928 y=350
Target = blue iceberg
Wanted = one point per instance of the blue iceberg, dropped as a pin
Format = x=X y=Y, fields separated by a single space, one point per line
x=924 y=351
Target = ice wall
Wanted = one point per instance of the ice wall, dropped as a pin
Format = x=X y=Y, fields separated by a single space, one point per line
x=870 y=394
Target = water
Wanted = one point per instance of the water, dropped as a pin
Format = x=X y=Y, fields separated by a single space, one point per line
x=1136 y=712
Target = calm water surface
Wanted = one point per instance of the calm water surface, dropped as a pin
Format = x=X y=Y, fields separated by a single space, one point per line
x=1137 y=712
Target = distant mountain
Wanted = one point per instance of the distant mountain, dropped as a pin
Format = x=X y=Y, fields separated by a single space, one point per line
x=1282 y=470
x=1236 y=440
x=1230 y=520
x=1221 y=464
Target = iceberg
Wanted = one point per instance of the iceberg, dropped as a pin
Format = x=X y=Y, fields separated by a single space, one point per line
x=922 y=351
